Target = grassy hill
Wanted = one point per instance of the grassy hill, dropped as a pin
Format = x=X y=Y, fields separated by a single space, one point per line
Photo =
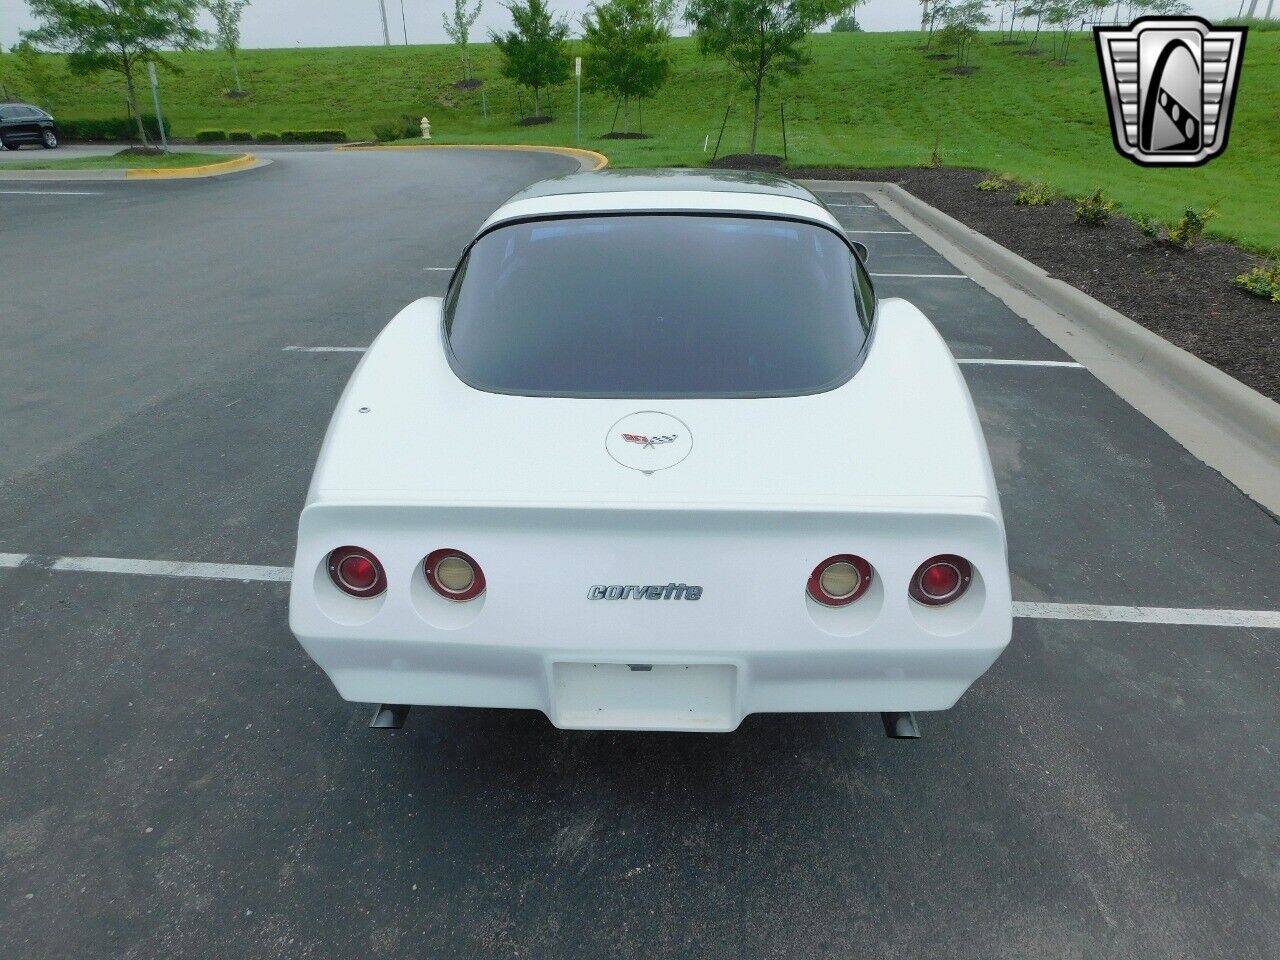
x=868 y=100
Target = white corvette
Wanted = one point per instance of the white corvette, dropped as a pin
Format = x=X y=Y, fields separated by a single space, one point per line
x=658 y=460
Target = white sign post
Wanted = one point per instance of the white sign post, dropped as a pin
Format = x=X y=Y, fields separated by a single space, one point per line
x=577 y=72
x=155 y=98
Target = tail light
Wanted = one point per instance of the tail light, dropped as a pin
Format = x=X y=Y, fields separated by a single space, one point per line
x=839 y=580
x=356 y=571
x=940 y=580
x=453 y=575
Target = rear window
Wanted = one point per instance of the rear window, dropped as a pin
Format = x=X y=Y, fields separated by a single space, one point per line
x=657 y=306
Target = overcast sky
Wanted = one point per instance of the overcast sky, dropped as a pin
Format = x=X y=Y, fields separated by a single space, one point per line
x=313 y=23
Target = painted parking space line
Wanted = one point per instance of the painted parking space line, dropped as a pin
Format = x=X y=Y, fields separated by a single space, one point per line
x=259 y=573
x=52 y=193
x=438 y=269
x=325 y=349
x=925 y=276
x=149 y=568
x=900 y=233
x=1023 y=363
x=1180 y=616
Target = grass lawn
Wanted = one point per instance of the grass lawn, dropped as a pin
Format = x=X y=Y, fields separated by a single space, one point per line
x=868 y=100
x=113 y=162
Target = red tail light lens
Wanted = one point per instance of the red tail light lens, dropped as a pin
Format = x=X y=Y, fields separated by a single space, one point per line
x=453 y=575
x=356 y=571
x=940 y=580
x=838 y=581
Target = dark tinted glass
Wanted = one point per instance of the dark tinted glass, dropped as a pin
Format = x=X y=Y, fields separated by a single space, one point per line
x=656 y=306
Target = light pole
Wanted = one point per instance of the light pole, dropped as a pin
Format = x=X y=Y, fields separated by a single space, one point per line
x=404 y=24
x=577 y=72
x=155 y=98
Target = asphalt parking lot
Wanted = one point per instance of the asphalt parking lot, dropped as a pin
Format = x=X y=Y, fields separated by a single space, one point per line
x=180 y=780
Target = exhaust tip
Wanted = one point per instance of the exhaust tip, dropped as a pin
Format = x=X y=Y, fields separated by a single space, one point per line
x=389 y=716
x=900 y=726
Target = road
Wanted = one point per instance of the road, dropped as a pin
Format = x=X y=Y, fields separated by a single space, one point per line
x=180 y=780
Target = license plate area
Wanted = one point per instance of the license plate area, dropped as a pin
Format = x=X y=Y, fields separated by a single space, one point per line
x=661 y=696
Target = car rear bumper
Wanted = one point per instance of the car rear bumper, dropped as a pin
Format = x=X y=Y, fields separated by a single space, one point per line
x=651 y=690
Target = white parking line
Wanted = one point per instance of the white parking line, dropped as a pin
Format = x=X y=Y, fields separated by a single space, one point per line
x=440 y=269
x=905 y=233
x=1169 y=615
x=926 y=276
x=245 y=572
x=326 y=349
x=1024 y=363
x=52 y=193
x=150 y=568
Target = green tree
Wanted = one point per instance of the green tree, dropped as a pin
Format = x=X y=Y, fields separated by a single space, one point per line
x=226 y=17
x=963 y=21
x=458 y=27
x=760 y=39
x=35 y=76
x=117 y=36
x=846 y=24
x=534 y=54
x=627 y=48
x=1065 y=15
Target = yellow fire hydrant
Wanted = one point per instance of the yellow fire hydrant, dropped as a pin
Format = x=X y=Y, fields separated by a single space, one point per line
x=426 y=129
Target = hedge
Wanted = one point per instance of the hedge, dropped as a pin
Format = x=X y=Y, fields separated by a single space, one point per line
x=115 y=130
x=268 y=136
x=402 y=128
x=211 y=136
x=313 y=136
x=240 y=136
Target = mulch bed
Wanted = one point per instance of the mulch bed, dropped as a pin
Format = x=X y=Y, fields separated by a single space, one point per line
x=534 y=121
x=751 y=161
x=475 y=83
x=1187 y=297
x=619 y=135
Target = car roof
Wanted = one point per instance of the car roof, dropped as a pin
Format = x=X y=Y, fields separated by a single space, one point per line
x=667 y=191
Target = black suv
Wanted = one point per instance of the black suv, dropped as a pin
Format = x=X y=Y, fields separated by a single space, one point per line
x=22 y=123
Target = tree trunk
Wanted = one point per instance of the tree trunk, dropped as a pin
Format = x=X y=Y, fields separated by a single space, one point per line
x=133 y=103
x=755 y=118
x=235 y=72
x=537 y=102
x=626 y=113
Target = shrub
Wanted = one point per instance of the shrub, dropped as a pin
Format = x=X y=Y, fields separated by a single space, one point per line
x=1149 y=226
x=1263 y=281
x=1094 y=210
x=313 y=136
x=991 y=184
x=1035 y=195
x=402 y=128
x=114 y=130
x=240 y=136
x=267 y=136
x=935 y=158
x=1185 y=232
x=211 y=136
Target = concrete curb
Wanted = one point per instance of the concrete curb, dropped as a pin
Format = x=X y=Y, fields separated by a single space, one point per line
x=1230 y=426
x=587 y=159
x=244 y=162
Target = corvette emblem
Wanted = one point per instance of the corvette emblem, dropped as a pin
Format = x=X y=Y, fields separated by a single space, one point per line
x=649 y=441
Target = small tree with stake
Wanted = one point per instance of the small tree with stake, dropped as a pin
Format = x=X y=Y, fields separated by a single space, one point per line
x=760 y=39
x=458 y=27
x=534 y=53
x=627 y=48
x=117 y=36
x=226 y=17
